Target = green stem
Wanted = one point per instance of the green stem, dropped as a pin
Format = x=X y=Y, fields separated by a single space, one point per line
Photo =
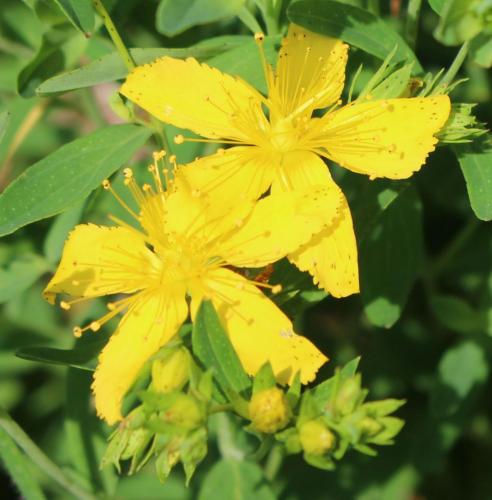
x=274 y=462
x=412 y=23
x=451 y=73
x=113 y=33
x=160 y=134
x=220 y=408
x=40 y=459
x=457 y=243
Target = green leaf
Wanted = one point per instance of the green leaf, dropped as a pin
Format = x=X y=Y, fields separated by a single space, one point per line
x=394 y=85
x=476 y=164
x=460 y=21
x=4 y=121
x=212 y=346
x=20 y=275
x=481 y=50
x=53 y=56
x=462 y=368
x=81 y=356
x=353 y=25
x=231 y=479
x=457 y=315
x=84 y=440
x=175 y=17
x=79 y=13
x=18 y=467
x=390 y=258
x=48 y=60
x=110 y=67
x=58 y=233
x=68 y=175
x=244 y=61
x=437 y=5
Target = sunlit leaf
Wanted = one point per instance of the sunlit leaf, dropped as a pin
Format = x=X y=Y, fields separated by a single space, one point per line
x=68 y=175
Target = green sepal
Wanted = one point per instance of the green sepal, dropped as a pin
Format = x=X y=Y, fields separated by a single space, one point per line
x=193 y=451
x=322 y=462
x=293 y=394
x=290 y=439
x=309 y=408
x=264 y=378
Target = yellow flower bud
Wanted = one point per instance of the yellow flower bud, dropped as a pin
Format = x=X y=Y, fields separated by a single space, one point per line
x=171 y=372
x=184 y=412
x=316 y=438
x=269 y=410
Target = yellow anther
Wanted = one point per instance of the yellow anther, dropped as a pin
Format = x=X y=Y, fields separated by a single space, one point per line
x=276 y=289
x=75 y=282
x=178 y=139
x=159 y=155
x=111 y=306
x=77 y=332
x=106 y=184
x=95 y=326
x=128 y=173
x=65 y=305
x=259 y=37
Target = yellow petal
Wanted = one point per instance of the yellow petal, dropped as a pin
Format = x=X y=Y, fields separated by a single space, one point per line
x=195 y=96
x=387 y=138
x=260 y=331
x=237 y=174
x=331 y=255
x=150 y=322
x=280 y=224
x=99 y=261
x=310 y=71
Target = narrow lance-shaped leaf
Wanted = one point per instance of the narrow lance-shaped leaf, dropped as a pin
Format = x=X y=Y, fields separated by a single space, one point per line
x=111 y=67
x=390 y=257
x=68 y=175
x=356 y=26
x=81 y=356
x=476 y=164
x=241 y=480
x=79 y=13
x=175 y=17
x=4 y=121
x=18 y=468
x=214 y=349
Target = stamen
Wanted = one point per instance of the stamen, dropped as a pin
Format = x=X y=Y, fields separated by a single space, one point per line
x=107 y=185
x=267 y=69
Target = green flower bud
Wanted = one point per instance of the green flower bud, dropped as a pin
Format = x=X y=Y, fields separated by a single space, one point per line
x=316 y=439
x=269 y=410
x=171 y=372
x=370 y=426
x=348 y=395
x=185 y=412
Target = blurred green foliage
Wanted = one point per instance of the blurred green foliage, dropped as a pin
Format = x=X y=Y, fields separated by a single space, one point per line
x=425 y=246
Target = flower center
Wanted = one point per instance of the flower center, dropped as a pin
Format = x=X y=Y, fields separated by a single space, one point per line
x=284 y=136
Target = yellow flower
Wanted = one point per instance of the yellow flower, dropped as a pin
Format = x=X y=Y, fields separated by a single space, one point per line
x=282 y=149
x=185 y=247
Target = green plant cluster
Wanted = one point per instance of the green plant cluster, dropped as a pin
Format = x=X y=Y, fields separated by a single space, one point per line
x=421 y=326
